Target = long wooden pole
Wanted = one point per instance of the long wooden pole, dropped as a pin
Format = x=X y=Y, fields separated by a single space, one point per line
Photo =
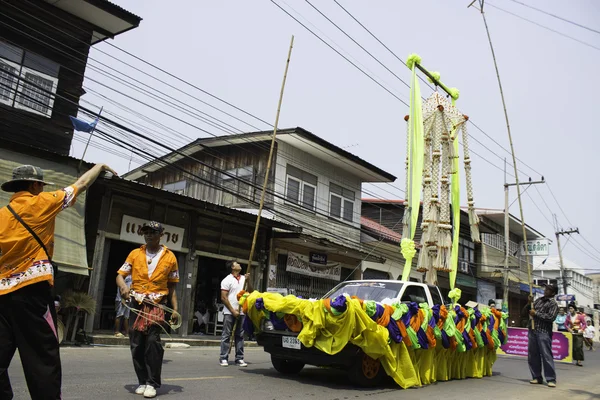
x=266 y=181
x=514 y=157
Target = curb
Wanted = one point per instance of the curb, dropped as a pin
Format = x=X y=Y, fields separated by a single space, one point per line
x=113 y=341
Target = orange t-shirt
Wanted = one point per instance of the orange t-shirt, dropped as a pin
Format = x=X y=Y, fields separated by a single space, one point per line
x=154 y=287
x=22 y=260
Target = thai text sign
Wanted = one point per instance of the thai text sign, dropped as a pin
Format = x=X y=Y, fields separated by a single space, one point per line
x=300 y=264
x=565 y=297
x=131 y=232
x=518 y=342
x=535 y=247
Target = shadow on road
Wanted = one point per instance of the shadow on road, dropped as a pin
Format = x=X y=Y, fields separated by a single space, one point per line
x=163 y=390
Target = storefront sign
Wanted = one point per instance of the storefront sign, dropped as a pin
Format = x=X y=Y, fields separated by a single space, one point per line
x=281 y=291
x=318 y=258
x=518 y=341
x=565 y=297
x=535 y=247
x=131 y=232
x=300 y=264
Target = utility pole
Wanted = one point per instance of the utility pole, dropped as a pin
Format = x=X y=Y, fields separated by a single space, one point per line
x=507 y=233
x=558 y=234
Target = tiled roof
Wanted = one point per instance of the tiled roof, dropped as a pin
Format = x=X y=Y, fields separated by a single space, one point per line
x=385 y=232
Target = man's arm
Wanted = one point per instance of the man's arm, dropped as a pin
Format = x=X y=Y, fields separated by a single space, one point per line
x=122 y=286
x=86 y=180
x=225 y=300
x=173 y=299
x=249 y=286
x=550 y=314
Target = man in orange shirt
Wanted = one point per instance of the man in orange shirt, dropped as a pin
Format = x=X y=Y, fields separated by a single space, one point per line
x=154 y=275
x=27 y=313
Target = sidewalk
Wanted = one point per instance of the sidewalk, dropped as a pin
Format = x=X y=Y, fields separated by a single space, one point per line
x=193 y=340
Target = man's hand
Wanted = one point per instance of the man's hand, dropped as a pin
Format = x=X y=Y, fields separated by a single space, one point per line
x=532 y=313
x=175 y=317
x=530 y=297
x=235 y=313
x=124 y=292
x=247 y=276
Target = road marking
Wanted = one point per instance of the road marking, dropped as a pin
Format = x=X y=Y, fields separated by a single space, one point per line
x=200 y=378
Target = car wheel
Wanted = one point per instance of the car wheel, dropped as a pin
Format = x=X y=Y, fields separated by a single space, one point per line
x=287 y=367
x=366 y=371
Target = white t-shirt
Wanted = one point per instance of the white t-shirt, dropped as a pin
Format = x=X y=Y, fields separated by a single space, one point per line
x=153 y=261
x=233 y=286
x=589 y=332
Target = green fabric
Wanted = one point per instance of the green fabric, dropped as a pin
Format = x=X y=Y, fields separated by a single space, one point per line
x=415 y=164
x=455 y=199
x=370 y=307
x=400 y=310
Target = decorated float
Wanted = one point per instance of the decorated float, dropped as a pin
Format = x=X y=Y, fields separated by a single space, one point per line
x=414 y=342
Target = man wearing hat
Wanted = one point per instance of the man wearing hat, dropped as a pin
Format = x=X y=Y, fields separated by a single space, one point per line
x=154 y=276
x=27 y=313
x=543 y=313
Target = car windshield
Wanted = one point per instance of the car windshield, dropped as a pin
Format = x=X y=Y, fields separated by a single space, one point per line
x=383 y=292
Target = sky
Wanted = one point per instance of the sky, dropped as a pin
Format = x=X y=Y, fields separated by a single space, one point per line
x=236 y=50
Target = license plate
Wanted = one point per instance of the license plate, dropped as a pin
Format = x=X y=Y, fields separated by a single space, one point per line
x=290 y=342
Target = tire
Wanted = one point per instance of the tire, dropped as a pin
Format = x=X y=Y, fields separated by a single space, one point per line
x=287 y=367
x=366 y=372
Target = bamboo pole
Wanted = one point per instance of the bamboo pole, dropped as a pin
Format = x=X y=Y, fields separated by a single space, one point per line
x=514 y=158
x=265 y=183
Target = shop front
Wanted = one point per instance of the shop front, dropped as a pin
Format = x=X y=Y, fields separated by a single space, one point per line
x=310 y=267
x=203 y=236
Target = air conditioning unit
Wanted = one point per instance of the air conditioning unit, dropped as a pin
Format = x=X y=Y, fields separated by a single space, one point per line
x=463 y=266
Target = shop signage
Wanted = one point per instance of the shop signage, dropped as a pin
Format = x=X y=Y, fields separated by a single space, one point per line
x=518 y=340
x=281 y=291
x=318 y=258
x=565 y=297
x=131 y=232
x=300 y=264
x=536 y=247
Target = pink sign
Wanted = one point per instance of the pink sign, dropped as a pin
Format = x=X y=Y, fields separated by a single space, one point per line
x=518 y=341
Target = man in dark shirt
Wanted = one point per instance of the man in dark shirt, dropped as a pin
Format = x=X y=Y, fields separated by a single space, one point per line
x=542 y=314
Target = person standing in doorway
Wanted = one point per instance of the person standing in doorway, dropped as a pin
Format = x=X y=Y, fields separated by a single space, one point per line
x=539 y=352
x=154 y=276
x=575 y=324
x=122 y=312
x=230 y=287
x=27 y=312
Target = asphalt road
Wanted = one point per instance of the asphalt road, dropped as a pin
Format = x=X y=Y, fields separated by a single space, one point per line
x=194 y=373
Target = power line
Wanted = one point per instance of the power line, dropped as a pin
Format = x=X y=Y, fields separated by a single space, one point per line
x=543 y=26
x=556 y=16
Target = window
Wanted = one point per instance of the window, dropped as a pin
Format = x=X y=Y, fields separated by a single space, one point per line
x=176 y=187
x=435 y=295
x=27 y=80
x=238 y=180
x=414 y=293
x=466 y=251
x=301 y=188
x=341 y=202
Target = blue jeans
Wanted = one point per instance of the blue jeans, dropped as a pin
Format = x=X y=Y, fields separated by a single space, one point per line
x=228 y=322
x=540 y=353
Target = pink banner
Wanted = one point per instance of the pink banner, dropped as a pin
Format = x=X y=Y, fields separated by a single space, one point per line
x=518 y=342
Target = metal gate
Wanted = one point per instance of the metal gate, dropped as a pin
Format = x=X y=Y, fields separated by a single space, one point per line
x=300 y=285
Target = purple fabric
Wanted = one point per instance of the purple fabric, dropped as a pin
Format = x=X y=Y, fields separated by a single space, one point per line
x=248 y=326
x=278 y=324
x=422 y=336
x=492 y=322
x=259 y=304
x=477 y=315
x=413 y=308
x=445 y=340
x=459 y=314
x=484 y=337
x=432 y=322
x=395 y=334
x=339 y=303
x=436 y=312
x=378 y=312
x=500 y=335
x=467 y=339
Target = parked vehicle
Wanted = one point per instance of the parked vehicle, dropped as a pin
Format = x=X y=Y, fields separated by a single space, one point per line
x=289 y=355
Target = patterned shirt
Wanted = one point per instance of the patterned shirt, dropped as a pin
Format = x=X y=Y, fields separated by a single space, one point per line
x=546 y=310
x=154 y=287
x=22 y=260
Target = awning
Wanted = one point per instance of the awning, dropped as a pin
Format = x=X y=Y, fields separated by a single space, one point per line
x=69 y=235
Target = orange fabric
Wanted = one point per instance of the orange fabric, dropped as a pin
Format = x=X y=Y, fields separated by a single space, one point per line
x=292 y=323
x=431 y=337
x=23 y=262
x=417 y=320
x=443 y=316
x=240 y=294
x=404 y=334
x=473 y=341
x=155 y=287
x=384 y=320
x=327 y=304
x=453 y=343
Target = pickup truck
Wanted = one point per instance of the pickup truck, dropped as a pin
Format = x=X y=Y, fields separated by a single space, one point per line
x=289 y=355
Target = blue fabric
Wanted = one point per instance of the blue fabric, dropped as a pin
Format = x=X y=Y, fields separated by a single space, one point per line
x=422 y=336
x=445 y=339
x=278 y=323
x=467 y=339
x=248 y=326
x=395 y=334
x=259 y=304
x=82 y=126
x=339 y=303
x=484 y=337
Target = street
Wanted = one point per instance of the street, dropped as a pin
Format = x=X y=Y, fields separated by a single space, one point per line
x=194 y=373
